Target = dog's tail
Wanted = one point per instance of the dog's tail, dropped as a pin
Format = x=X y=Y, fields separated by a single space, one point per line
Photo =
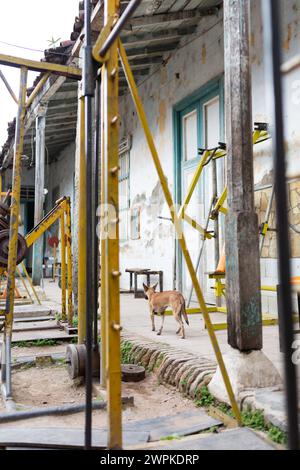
x=184 y=314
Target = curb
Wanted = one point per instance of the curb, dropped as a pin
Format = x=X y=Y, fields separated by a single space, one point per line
x=186 y=372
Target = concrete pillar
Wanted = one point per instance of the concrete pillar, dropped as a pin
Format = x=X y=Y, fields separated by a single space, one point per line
x=242 y=235
x=37 y=265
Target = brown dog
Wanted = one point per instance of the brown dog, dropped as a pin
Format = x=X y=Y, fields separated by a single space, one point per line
x=160 y=301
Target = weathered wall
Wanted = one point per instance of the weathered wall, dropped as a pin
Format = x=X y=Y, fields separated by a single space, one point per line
x=60 y=182
x=184 y=72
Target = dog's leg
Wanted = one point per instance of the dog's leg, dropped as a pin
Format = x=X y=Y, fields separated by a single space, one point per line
x=162 y=324
x=182 y=330
x=152 y=320
x=181 y=327
x=178 y=318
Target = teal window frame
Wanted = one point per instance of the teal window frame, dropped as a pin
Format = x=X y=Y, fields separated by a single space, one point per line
x=205 y=93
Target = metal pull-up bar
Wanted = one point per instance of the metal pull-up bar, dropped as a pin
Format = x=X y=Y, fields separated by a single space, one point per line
x=116 y=31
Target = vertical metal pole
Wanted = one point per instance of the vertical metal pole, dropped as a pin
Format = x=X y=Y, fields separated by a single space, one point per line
x=88 y=92
x=69 y=261
x=63 y=267
x=38 y=247
x=14 y=226
x=96 y=204
x=111 y=196
x=177 y=224
x=216 y=221
x=30 y=283
x=242 y=240
x=82 y=222
x=103 y=308
x=24 y=284
x=272 y=39
x=267 y=218
x=54 y=262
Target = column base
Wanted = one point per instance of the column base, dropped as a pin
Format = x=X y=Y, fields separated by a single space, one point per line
x=247 y=371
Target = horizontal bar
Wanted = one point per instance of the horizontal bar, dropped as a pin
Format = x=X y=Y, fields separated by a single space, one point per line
x=291 y=65
x=51 y=411
x=132 y=6
x=56 y=69
x=37 y=89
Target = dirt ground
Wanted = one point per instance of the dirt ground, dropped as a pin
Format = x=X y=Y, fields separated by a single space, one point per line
x=51 y=386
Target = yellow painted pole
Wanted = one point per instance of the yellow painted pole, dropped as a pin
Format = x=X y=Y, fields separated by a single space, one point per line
x=54 y=262
x=30 y=283
x=69 y=262
x=63 y=267
x=177 y=224
x=110 y=84
x=15 y=202
x=194 y=183
x=82 y=248
x=37 y=89
x=24 y=284
x=13 y=238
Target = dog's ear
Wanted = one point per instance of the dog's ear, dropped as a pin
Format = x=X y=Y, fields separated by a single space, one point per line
x=155 y=286
x=146 y=288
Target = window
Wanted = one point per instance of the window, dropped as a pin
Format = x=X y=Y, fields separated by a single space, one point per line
x=190 y=136
x=124 y=188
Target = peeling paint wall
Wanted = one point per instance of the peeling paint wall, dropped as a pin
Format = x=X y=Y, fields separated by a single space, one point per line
x=184 y=72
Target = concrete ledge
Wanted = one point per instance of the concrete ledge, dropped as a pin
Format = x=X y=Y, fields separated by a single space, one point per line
x=247 y=371
x=256 y=382
x=186 y=372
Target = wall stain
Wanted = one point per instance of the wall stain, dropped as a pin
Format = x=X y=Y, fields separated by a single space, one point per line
x=161 y=120
x=287 y=42
x=203 y=54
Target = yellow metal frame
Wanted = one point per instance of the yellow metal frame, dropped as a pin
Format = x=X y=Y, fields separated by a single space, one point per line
x=56 y=69
x=61 y=212
x=110 y=271
x=177 y=224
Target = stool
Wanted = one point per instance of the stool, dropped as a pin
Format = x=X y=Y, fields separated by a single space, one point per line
x=138 y=294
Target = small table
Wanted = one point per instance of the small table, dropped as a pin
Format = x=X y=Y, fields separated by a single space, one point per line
x=142 y=272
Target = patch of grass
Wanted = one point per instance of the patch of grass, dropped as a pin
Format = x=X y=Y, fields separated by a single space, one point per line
x=254 y=419
x=204 y=398
x=75 y=322
x=126 y=349
x=172 y=437
x=28 y=365
x=36 y=343
x=225 y=409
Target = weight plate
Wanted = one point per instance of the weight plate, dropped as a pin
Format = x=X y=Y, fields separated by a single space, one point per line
x=4 y=248
x=4 y=225
x=72 y=361
x=133 y=373
x=4 y=209
x=75 y=359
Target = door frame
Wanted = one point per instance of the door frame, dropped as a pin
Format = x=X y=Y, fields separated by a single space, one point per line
x=215 y=86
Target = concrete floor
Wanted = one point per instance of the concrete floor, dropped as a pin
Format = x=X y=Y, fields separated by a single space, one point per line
x=135 y=319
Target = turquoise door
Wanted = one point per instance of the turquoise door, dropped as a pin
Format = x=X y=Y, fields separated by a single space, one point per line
x=199 y=126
